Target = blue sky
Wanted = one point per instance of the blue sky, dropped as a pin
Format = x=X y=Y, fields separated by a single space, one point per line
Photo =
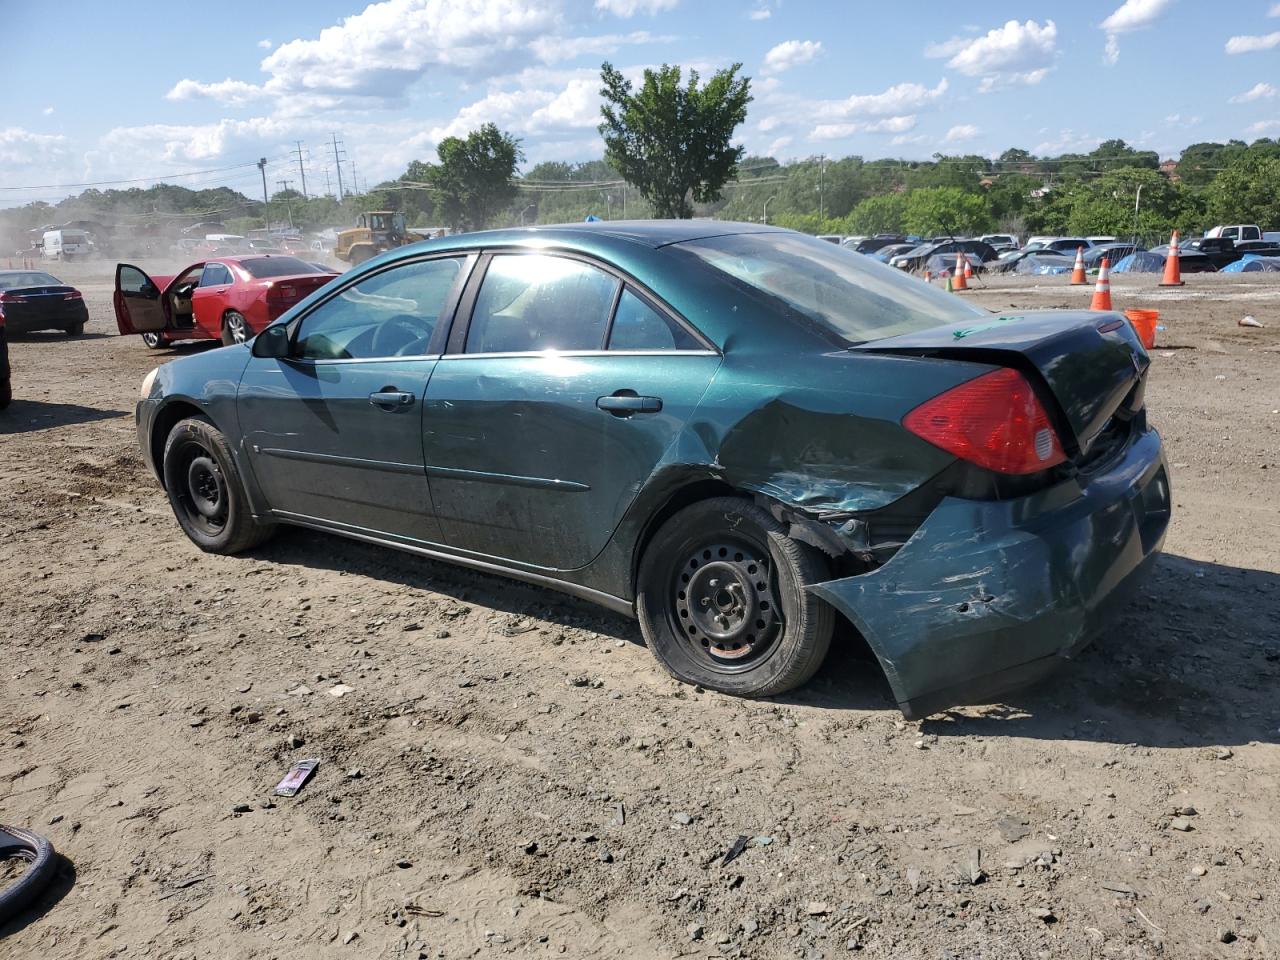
x=146 y=90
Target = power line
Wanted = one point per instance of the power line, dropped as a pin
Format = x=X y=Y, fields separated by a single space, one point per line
x=106 y=183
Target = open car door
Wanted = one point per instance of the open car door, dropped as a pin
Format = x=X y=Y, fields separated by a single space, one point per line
x=140 y=306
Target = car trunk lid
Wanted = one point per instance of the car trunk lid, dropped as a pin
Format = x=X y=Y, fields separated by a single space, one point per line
x=1091 y=364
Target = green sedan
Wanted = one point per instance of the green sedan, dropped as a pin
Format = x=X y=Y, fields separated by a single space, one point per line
x=736 y=433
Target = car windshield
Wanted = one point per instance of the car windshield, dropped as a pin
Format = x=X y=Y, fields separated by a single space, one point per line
x=850 y=295
x=13 y=281
x=276 y=267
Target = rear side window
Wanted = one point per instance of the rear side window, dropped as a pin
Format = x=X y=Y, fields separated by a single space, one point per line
x=261 y=267
x=638 y=326
x=534 y=302
x=851 y=296
x=215 y=274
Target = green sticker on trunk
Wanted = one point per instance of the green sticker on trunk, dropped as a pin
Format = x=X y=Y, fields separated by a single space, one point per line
x=989 y=325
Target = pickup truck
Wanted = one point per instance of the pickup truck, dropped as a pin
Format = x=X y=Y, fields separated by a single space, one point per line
x=1221 y=251
x=1237 y=232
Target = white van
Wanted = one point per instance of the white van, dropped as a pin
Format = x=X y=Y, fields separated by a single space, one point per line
x=65 y=244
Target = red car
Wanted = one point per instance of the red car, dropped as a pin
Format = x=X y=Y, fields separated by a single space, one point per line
x=228 y=298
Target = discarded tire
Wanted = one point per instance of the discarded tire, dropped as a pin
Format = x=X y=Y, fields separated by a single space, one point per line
x=19 y=844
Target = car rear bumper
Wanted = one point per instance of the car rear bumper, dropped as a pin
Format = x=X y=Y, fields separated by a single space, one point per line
x=991 y=595
x=59 y=319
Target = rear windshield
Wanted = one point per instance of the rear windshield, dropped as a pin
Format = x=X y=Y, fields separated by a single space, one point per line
x=850 y=295
x=14 y=281
x=276 y=267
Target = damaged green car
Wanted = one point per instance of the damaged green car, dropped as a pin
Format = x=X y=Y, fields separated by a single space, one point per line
x=736 y=433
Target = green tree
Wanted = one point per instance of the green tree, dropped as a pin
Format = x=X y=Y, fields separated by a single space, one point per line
x=672 y=142
x=472 y=181
x=1247 y=191
x=883 y=214
x=946 y=210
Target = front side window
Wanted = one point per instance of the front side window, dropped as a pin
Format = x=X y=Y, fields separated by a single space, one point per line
x=851 y=296
x=389 y=314
x=534 y=302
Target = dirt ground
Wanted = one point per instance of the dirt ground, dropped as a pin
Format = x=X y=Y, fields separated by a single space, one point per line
x=509 y=771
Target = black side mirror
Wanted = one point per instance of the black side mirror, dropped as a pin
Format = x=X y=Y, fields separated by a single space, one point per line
x=272 y=342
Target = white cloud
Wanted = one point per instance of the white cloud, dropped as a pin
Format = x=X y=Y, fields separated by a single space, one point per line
x=228 y=91
x=838 y=131
x=629 y=8
x=537 y=103
x=21 y=147
x=1134 y=15
x=901 y=98
x=960 y=133
x=375 y=56
x=777 y=146
x=1263 y=128
x=759 y=13
x=1253 y=44
x=906 y=138
x=550 y=49
x=47 y=111
x=1274 y=11
x=1011 y=55
x=791 y=53
x=1259 y=91
x=1130 y=15
x=1067 y=141
x=265 y=44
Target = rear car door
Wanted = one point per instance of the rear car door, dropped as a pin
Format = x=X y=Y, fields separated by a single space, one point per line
x=138 y=301
x=555 y=402
x=209 y=298
x=334 y=431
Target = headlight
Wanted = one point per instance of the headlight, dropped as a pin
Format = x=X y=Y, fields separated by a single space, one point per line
x=147 y=381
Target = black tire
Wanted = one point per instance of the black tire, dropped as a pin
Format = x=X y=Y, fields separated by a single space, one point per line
x=235 y=328
x=153 y=341
x=721 y=600
x=206 y=491
x=76 y=329
x=6 y=392
x=19 y=844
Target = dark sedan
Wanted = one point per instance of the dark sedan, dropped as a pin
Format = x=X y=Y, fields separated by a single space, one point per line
x=33 y=300
x=736 y=433
x=975 y=251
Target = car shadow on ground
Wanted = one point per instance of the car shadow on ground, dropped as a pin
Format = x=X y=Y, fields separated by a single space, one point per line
x=1194 y=660
x=30 y=416
x=54 y=336
x=64 y=879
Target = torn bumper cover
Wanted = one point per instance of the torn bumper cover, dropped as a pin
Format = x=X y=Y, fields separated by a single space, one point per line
x=990 y=595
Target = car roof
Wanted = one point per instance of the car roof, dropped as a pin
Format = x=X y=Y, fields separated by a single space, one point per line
x=649 y=233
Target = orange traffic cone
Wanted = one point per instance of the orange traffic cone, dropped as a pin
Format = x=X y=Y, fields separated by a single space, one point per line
x=928 y=276
x=1172 y=265
x=1078 y=279
x=958 y=281
x=1102 y=290
x=968 y=270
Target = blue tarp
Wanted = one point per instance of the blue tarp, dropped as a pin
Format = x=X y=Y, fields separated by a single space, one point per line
x=1252 y=263
x=1144 y=261
x=1046 y=266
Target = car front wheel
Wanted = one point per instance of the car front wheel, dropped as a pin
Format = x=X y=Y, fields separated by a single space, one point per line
x=235 y=329
x=721 y=600
x=153 y=341
x=206 y=491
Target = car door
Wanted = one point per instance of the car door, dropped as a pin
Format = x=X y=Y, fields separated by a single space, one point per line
x=537 y=435
x=209 y=298
x=138 y=301
x=334 y=431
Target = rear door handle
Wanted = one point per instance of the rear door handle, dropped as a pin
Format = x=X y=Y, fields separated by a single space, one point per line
x=390 y=399
x=625 y=404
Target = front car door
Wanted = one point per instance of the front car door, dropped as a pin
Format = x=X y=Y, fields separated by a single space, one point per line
x=334 y=431
x=556 y=401
x=138 y=301
x=208 y=299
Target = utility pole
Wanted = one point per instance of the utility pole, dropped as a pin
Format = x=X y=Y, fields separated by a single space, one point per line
x=355 y=181
x=266 y=210
x=328 y=190
x=302 y=170
x=337 y=162
x=284 y=184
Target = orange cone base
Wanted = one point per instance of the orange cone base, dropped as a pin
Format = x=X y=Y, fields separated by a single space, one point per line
x=1180 y=283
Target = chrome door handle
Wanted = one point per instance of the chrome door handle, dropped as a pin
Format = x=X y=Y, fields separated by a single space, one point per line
x=390 y=399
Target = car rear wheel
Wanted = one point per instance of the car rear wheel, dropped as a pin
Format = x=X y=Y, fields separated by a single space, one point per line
x=76 y=329
x=235 y=329
x=153 y=341
x=6 y=391
x=721 y=600
x=206 y=491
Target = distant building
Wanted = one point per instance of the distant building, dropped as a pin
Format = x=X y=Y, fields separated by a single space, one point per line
x=1170 y=169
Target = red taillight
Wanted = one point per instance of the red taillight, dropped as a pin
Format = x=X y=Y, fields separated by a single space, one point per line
x=12 y=298
x=73 y=295
x=995 y=421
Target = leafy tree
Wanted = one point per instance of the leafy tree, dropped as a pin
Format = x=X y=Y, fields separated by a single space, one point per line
x=473 y=179
x=673 y=142
x=1247 y=191
x=882 y=214
x=946 y=210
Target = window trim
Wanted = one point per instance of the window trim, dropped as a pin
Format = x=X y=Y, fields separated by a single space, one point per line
x=460 y=326
x=434 y=346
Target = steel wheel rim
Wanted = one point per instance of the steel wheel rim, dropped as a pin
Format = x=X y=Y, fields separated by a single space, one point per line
x=151 y=339
x=235 y=324
x=724 y=605
x=201 y=489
